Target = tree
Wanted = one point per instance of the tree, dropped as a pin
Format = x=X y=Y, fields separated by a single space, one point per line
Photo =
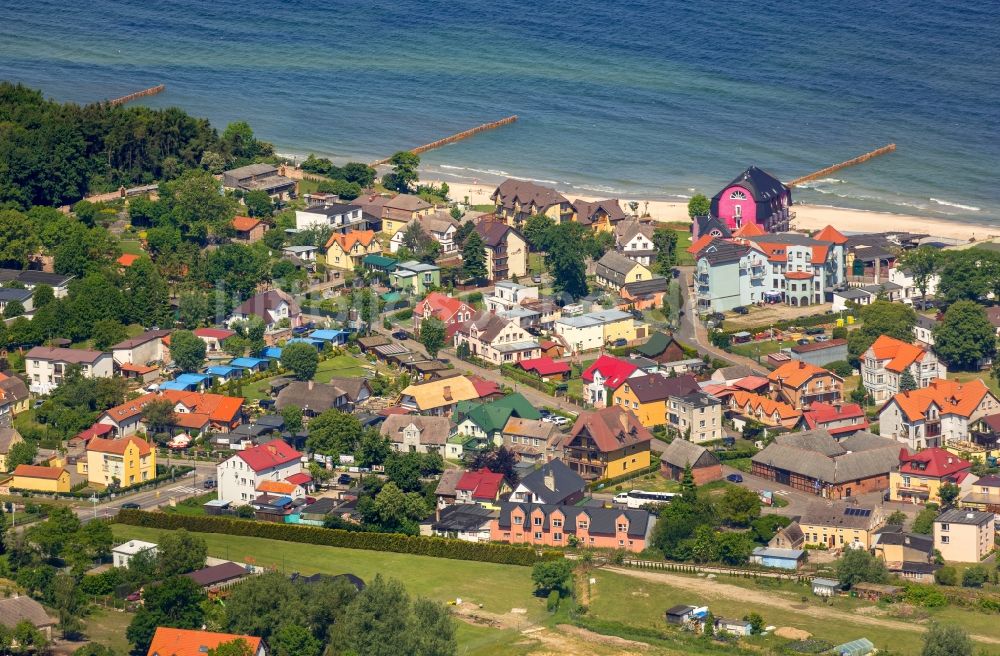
x=756 y=623
x=52 y=535
x=42 y=296
x=398 y=511
x=404 y=172
x=566 y=260
x=13 y=309
x=432 y=335
x=301 y=358
x=698 y=205
x=975 y=577
x=946 y=576
x=373 y=449
x=924 y=523
x=95 y=649
x=948 y=493
x=147 y=294
x=474 y=257
x=180 y=552
x=238 y=647
x=22 y=453
x=258 y=203
x=551 y=575
x=17 y=239
x=294 y=640
x=499 y=461
x=689 y=490
x=946 y=640
x=665 y=243
x=907 y=383
x=764 y=527
x=739 y=506
x=538 y=231
x=963 y=276
x=359 y=173
x=187 y=350
x=292 y=416
x=897 y=518
x=334 y=433
x=158 y=414
x=175 y=603
x=965 y=336
x=193 y=308
x=107 y=333
x=859 y=566
x=922 y=263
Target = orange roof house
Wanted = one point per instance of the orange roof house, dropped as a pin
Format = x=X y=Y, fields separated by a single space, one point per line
x=700 y=244
x=883 y=364
x=761 y=408
x=277 y=487
x=248 y=229
x=938 y=414
x=749 y=230
x=801 y=384
x=830 y=234
x=117 y=447
x=192 y=411
x=187 y=642
x=345 y=251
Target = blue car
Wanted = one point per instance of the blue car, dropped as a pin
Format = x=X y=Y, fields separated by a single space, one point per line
x=734 y=478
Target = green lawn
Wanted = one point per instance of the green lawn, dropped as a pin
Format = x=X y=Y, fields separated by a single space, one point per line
x=683 y=241
x=498 y=587
x=132 y=247
x=966 y=376
x=107 y=627
x=340 y=366
x=762 y=348
x=193 y=505
x=536 y=263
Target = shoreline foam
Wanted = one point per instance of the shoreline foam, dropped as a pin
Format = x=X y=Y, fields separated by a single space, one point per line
x=807 y=217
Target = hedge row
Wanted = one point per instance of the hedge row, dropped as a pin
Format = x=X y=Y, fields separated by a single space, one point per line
x=505 y=554
x=735 y=454
x=530 y=380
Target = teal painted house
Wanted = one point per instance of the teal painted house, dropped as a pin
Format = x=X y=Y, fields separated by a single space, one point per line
x=415 y=277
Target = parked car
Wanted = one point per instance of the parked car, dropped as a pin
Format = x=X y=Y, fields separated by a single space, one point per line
x=344 y=479
x=537 y=278
x=209 y=484
x=130 y=505
x=803 y=341
x=735 y=478
x=822 y=338
x=401 y=334
x=739 y=309
x=559 y=420
x=620 y=342
x=815 y=330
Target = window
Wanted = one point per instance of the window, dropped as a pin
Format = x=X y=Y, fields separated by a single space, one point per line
x=581 y=524
x=557 y=523
x=945 y=527
x=517 y=520
x=622 y=528
x=945 y=539
x=737 y=195
x=538 y=536
x=557 y=537
x=537 y=521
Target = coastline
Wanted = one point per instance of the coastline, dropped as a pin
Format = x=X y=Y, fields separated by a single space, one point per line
x=807 y=217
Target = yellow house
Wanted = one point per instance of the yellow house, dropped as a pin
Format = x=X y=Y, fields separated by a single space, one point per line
x=599 y=216
x=920 y=476
x=614 y=271
x=14 y=396
x=676 y=402
x=625 y=327
x=124 y=461
x=607 y=443
x=40 y=479
x=347 y=251
x=840 y=525
x=8 y=438
x=400 y=210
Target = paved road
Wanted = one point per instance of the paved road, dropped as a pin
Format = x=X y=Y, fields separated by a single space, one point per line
x=184 y=487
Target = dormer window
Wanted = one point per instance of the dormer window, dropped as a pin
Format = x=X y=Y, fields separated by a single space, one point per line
x=737 y=195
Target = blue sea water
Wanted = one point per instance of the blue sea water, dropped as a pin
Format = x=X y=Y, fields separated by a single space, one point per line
x=648 y=98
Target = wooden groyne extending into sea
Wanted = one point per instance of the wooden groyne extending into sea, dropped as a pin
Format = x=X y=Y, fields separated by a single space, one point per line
x=151 y=91
x=822 y=173
x=455 y=137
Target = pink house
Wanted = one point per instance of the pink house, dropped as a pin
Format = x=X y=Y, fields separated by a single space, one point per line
x=552 y=526
x=755 y=196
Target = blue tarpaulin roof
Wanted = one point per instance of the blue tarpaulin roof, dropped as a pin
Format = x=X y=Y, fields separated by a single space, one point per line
x=318 y=343
x=251 y=363
x=222 y=370
x=271 y=352
x=176 y=385
x=329 y=335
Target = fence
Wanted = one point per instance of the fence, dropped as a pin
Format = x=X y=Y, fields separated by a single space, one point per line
x=739 y=572
x=608 y=482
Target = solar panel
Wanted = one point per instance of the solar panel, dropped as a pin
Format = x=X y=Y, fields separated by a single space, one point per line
x=857 y=512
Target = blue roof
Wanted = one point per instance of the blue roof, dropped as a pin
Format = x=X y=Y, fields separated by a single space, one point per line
x=250 y=363
x=271 y=352
x=195 y=379
x=222 y=370
x=327 y=335
x=318 y=343
x=175 y=385
x=282 y=502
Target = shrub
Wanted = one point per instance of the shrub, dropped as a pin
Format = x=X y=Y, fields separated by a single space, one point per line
x=975 y=577
x=925 y=595
x=946 y=576
x=505 y=554
x=552 y=602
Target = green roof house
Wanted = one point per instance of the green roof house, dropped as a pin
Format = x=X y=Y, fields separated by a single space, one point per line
x=486 y=421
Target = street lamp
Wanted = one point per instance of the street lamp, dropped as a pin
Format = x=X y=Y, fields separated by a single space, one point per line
x=94 y=500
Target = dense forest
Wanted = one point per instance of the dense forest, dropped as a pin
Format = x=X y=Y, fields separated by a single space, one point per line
x=53 y=153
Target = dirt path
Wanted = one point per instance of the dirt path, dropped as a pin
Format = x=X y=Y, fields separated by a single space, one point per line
x=757 y=597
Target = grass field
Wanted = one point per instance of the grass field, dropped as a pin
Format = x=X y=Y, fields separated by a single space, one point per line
x=132 y=247
x=966 y=376
x=340 y=366
x=107 y=627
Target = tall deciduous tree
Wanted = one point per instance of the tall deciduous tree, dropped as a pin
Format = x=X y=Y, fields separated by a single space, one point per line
x=106 y=333
x=965 y=336
x=665 y=242
x=698 y=205
x=175 y=603
x=180 y=552
x=147 y=295
x=882 y=318
x=859 y=566
x=334 y=433
x=538 y=231
x=432 y=335
x=946 y=640
x=301 y=358
x=404 y=172
x=964 y=275
x=922 y=264
x=187 y=350
x=566 y=260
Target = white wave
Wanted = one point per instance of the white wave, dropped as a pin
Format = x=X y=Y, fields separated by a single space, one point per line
x=472 y=170
x=598 y=189
x=946 y=203
x=539 y=180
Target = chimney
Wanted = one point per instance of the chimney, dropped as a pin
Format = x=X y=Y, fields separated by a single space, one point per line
x=550 y=480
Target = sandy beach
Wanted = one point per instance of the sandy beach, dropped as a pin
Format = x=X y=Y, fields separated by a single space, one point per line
x=807 y=217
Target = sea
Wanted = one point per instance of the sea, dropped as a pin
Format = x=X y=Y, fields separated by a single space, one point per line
x=641 y=99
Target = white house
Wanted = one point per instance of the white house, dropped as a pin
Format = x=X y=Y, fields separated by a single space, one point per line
x=439 y=226
x=634 y=240
x=328 y=215
x=936 y=415
x=883 y=364
x=908 y=286
x=240 y=476
x=122 y=554
x=416 y=434
x=45 y=366
x=304 y=253
x=271 y=306
x=508 y=295
x=142 y=349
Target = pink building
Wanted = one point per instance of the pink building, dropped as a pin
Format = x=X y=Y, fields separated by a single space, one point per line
x=755 y=196
x=552 y=525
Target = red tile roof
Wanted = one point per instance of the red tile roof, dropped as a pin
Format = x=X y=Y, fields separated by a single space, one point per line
x=277 y=487
x=442 y=306
x=483 y=387
x=900 y=354
x=245 y=223
x=201 y=407
x=97 y=430
x=950 y=397
x=545 y=366
x=700 y=244
x=749 y=230
x=266 y=456
x=820 y=414
x=798 y=275
x=301 y=478
x=217 y=333
x=484 y=484
x=749 y=383
x=118 y=446
x=796 y=373
x=347 y=242
x=614 y=371
x=933 y=462
x=186 y=642
x=36 y=471
x=830 y=234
